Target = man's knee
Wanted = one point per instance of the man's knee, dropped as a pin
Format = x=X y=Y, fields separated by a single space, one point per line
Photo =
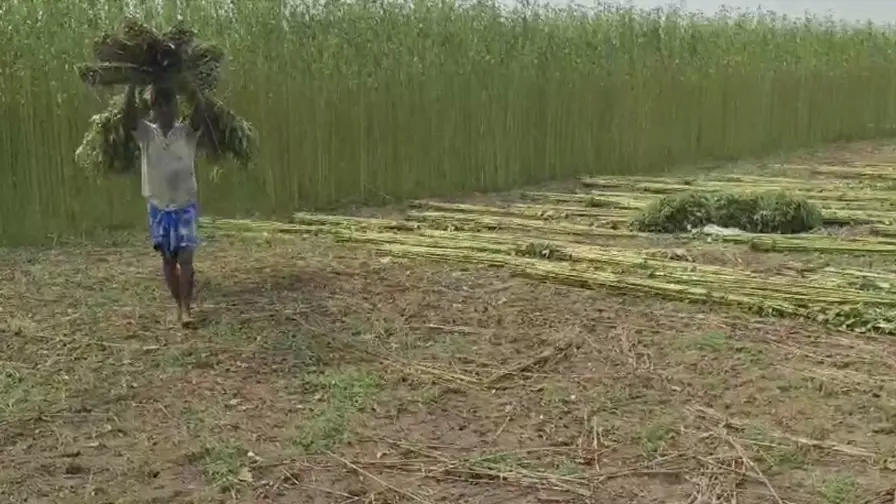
x=185 y=257
x=169 y=261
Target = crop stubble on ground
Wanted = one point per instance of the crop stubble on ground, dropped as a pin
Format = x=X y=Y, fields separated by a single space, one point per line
x=327 y=373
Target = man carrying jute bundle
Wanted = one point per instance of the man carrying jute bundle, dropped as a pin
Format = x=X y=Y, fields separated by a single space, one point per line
x=167 y=162
x=133 y=129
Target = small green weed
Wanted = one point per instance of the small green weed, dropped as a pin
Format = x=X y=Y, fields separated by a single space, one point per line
x=840 y=489
x=224 y=465
x=655 y=437
x=344 y=394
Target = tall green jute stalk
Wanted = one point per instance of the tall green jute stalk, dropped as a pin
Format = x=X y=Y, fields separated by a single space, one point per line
x=377 y=102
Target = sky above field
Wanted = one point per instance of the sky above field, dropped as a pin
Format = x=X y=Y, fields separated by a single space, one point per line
x=882 y=11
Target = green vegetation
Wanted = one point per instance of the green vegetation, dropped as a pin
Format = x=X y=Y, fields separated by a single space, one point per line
x=773 y=212
x=139 y=56
x=328 y=424
x=375 y=102
x=840 y=490
x=223 y=464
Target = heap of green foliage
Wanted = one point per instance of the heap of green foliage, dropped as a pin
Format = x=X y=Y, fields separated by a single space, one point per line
x=139 y=56
x=767 y=212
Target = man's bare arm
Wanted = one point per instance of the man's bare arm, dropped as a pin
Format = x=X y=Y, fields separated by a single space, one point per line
x=131 y=120
x=198 y=118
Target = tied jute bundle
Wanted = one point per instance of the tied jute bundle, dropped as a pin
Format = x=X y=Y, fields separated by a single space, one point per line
x=138 y=55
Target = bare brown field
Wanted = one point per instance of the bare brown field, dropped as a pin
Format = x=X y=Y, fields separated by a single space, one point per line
x=332 y=372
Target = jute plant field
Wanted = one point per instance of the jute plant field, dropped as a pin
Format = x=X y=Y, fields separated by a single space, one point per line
x=514 y=348
x=376 y=102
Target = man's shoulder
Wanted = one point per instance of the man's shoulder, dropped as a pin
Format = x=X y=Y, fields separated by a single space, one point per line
x=145 y=124
x=185 y=127
x=186 y=133
x=144 y=130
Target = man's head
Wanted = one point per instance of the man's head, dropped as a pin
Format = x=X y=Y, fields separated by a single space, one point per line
x=164 y=106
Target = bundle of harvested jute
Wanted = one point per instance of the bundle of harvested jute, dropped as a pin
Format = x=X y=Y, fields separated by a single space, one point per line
x=138 y=55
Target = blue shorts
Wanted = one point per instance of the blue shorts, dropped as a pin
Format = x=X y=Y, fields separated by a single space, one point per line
x=173 y=230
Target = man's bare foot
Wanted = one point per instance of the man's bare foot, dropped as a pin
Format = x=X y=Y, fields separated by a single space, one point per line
x=180 y=315
x=187 y=321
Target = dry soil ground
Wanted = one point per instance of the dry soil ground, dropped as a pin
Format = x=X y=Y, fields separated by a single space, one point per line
x=326 y=373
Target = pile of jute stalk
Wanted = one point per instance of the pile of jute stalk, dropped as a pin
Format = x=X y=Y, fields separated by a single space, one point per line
x=138 y=55
x=847 y=299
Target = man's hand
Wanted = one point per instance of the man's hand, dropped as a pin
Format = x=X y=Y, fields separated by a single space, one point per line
x=130 y=112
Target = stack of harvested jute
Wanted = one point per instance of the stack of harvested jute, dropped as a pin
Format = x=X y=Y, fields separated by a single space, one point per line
x=138 y=55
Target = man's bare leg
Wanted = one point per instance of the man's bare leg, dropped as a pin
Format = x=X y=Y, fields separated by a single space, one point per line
x=172 y=280
x=186 y=279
